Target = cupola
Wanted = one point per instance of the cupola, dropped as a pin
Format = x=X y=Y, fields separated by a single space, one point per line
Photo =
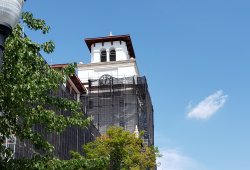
x=111 y=48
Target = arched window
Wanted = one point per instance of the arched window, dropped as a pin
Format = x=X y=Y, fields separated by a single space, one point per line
x=112 y=55
x=103 y=55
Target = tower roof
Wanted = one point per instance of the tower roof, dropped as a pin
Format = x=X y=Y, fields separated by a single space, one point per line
x=126 y=38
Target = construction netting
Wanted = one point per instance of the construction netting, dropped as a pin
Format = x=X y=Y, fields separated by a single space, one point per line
x=72 y=138
x=121 y=102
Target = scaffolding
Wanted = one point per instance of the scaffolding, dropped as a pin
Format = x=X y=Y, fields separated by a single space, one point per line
x=71 y=139
x=123 y=102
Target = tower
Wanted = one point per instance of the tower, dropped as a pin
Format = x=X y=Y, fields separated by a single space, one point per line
x=112 y=55
x=116 y=93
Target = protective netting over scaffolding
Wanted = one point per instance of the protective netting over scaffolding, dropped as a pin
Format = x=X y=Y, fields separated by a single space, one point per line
x=121 y=102
x=71 y=139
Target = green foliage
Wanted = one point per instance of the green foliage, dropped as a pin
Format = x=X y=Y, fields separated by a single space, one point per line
x=26 y=83
x=35 y=24
x=123 y=149
x=50 y=163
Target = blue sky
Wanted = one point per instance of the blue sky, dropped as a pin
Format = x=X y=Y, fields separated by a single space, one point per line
x=196 y=56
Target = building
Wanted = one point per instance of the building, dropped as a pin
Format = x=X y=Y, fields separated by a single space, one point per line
x=72 y=138
x=117 y=95
x=111 y=91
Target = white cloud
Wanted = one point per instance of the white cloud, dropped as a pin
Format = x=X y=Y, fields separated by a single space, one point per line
x=207 y=107
x=173 y=159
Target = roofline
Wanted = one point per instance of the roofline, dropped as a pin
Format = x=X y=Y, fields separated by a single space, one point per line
x=126 y=38
x=74 y=78
x=77 y=82
x=58 y=65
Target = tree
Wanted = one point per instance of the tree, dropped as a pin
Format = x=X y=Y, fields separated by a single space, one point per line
x=124 y=150
x=25 y=84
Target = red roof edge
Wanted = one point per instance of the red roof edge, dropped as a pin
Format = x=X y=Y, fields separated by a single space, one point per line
x=58 y=66
x=74 y=78
x=77 y=82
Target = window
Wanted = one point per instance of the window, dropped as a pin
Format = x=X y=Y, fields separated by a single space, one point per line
x=121 y=103
x=91 y=104
x=112 y=55
x=103 y=56
x=9 y=143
